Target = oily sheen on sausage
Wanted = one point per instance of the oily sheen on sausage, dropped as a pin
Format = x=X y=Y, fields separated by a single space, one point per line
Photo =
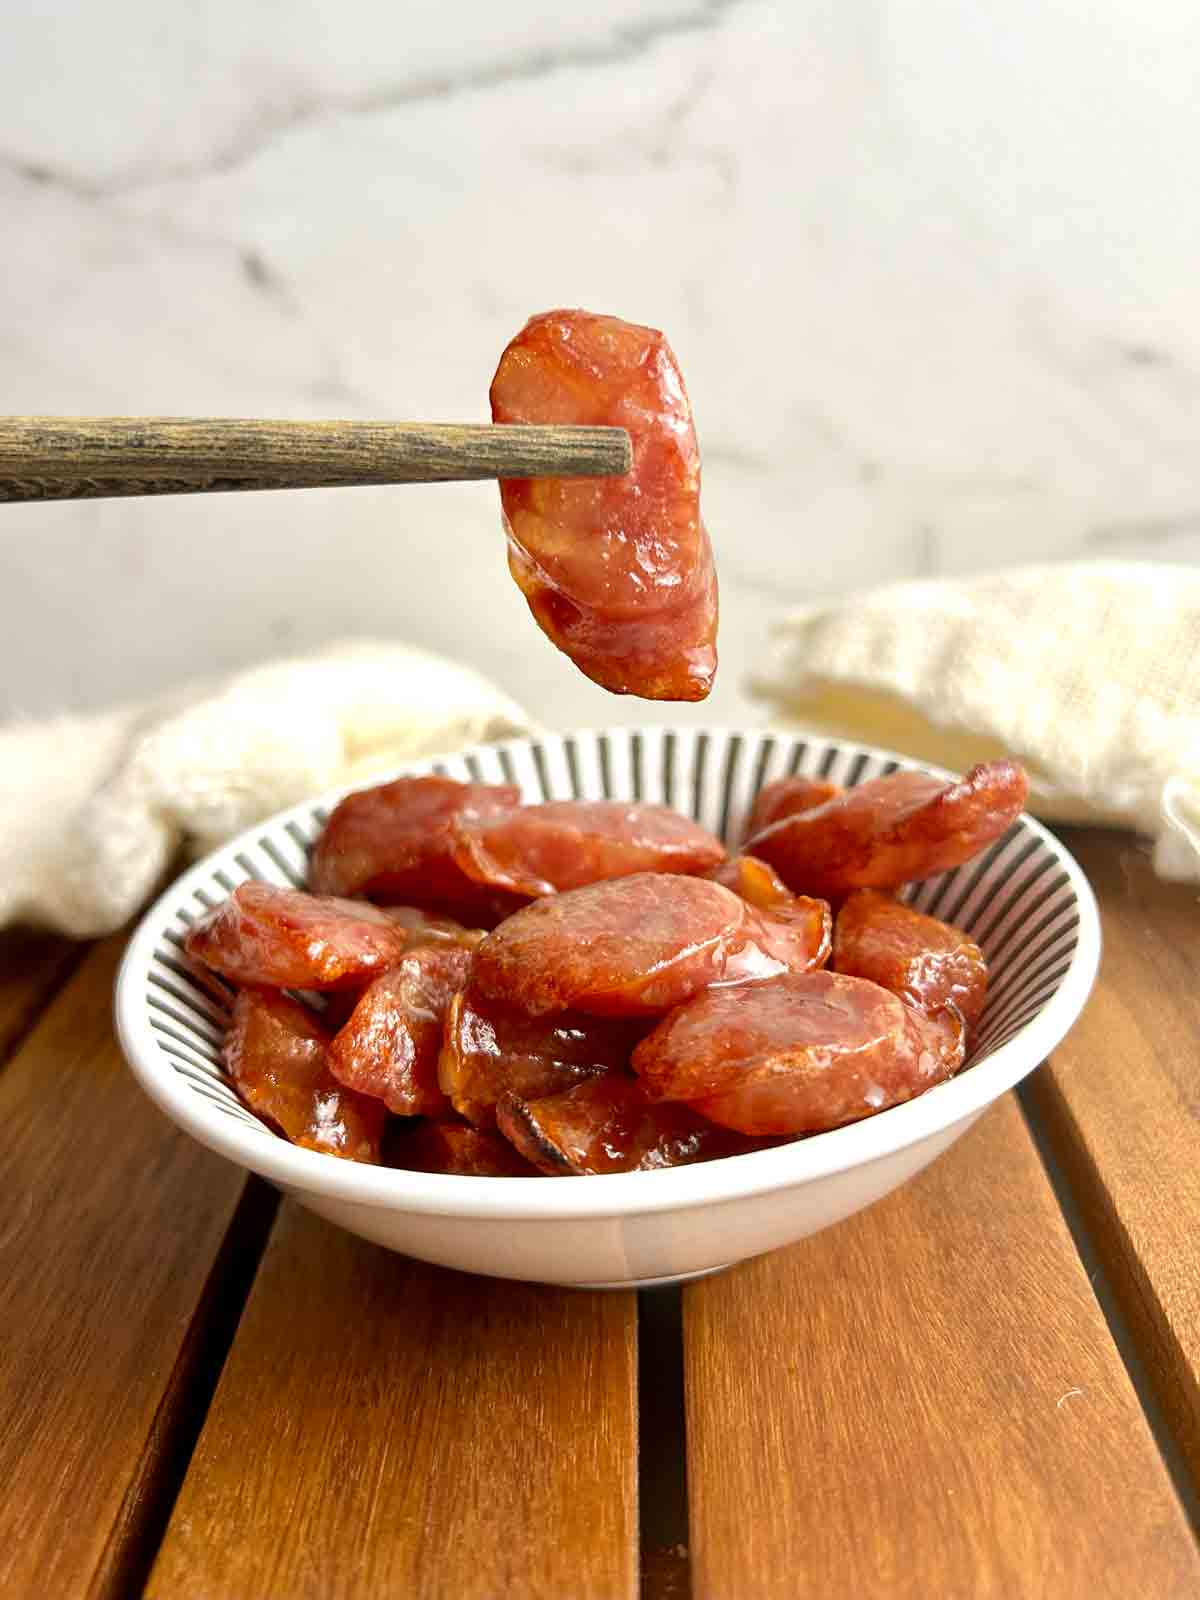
x=564 y=844
x=924 y=961
x=395 y=842
x=799 y=1054
x=892 y=830
x=637 y=946
x=286 y=939
x=277 y=1054
x=617 y=571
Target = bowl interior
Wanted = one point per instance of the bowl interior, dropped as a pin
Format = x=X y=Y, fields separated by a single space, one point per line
x=1021 y=900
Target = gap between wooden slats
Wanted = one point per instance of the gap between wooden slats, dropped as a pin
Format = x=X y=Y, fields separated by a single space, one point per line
x=384 y=1427
x=1118 y=1107
x=116 y=1294
x=32 y=967
x=662 y=1447
x=925 y=1400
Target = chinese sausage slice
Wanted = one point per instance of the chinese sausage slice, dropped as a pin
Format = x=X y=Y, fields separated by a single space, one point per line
x=755 y=882
x=426 y=1145
x=492 y=1049
x=637 y=946
x=277 y=1054
x=924 y=961
x=395 y=842
x=617 y=571
x=799 y=1054
x=892 y=830
x=390 y=1045
x=564 y=844
x=609 y=1125
x=761 y=886
x=422 y=928
x=787 y=797
x=286 y=939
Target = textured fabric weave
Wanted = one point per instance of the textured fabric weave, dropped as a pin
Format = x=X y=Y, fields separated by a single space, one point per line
x=94 y=809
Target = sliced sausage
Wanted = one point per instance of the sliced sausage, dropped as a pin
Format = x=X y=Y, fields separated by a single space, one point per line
x=422 y=928
x=609 y=1125
x=277 y=1054
x=455 y=1148
x=797 y=929
x=799 y=1054
x=564 y=844
x=617 y=571
x=924 y=961
x=395 y=842
x=787 y=797
x=892 y=830
x=389 y=1047
x=754 y=881
x=633 y=947
x=286 y=939
x=492 y=1049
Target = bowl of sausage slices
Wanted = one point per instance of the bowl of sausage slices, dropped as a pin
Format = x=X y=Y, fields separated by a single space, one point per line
x=616 y=1007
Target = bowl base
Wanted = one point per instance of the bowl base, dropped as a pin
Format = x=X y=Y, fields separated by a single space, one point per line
x=656 y=1283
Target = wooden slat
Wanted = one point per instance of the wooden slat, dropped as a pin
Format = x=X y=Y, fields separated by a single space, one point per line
x=1120 y=1106
x=386 y=1428
x=110 y=1227
x=32 y=965
x=925 y=1401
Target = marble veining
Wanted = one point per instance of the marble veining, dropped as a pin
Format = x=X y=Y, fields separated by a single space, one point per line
x=929 y=269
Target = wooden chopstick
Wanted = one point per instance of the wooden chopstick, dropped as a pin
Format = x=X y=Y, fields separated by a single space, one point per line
x=93 y=458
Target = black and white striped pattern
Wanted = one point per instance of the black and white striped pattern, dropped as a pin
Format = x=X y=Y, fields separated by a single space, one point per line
x=1016 y=899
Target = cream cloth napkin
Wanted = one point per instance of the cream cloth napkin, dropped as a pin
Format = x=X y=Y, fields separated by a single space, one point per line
x=1089 y=674
x=94 y=808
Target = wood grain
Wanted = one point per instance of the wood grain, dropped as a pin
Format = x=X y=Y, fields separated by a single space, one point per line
x=1120 y=1106
x=110 y=1228
x=387 y=1428
x=32 y=965
x=925 y=1401
x=93 y=458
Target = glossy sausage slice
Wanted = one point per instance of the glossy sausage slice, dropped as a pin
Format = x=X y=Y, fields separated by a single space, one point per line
x=609 y=1125
x=276 y=1052
x=892 y=830
x=754 y=881
x=422 y=928
x=799 y=937
x=396 y=842
x=618 y=572
x=564 y=844
x=491 y=1049
x=389 y=1048
x=797 y=929
x=799 y=1054
x=454 y=1148
x=286 y=939
x=924 y=961
x=419 y=929
x=787 y=797
x=633 y=947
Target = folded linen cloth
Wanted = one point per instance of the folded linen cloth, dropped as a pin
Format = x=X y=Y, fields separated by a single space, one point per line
x=94 y=808
x=1089 y=674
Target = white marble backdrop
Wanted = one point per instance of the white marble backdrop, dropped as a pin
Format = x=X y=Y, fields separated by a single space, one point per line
x=932 y=270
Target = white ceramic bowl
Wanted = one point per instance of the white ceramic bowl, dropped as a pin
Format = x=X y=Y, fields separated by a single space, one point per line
x=1024 y=900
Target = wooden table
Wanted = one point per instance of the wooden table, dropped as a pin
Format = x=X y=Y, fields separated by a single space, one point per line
x=985 y=1386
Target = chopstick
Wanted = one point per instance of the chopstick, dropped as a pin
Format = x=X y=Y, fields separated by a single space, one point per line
x=93 y=458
